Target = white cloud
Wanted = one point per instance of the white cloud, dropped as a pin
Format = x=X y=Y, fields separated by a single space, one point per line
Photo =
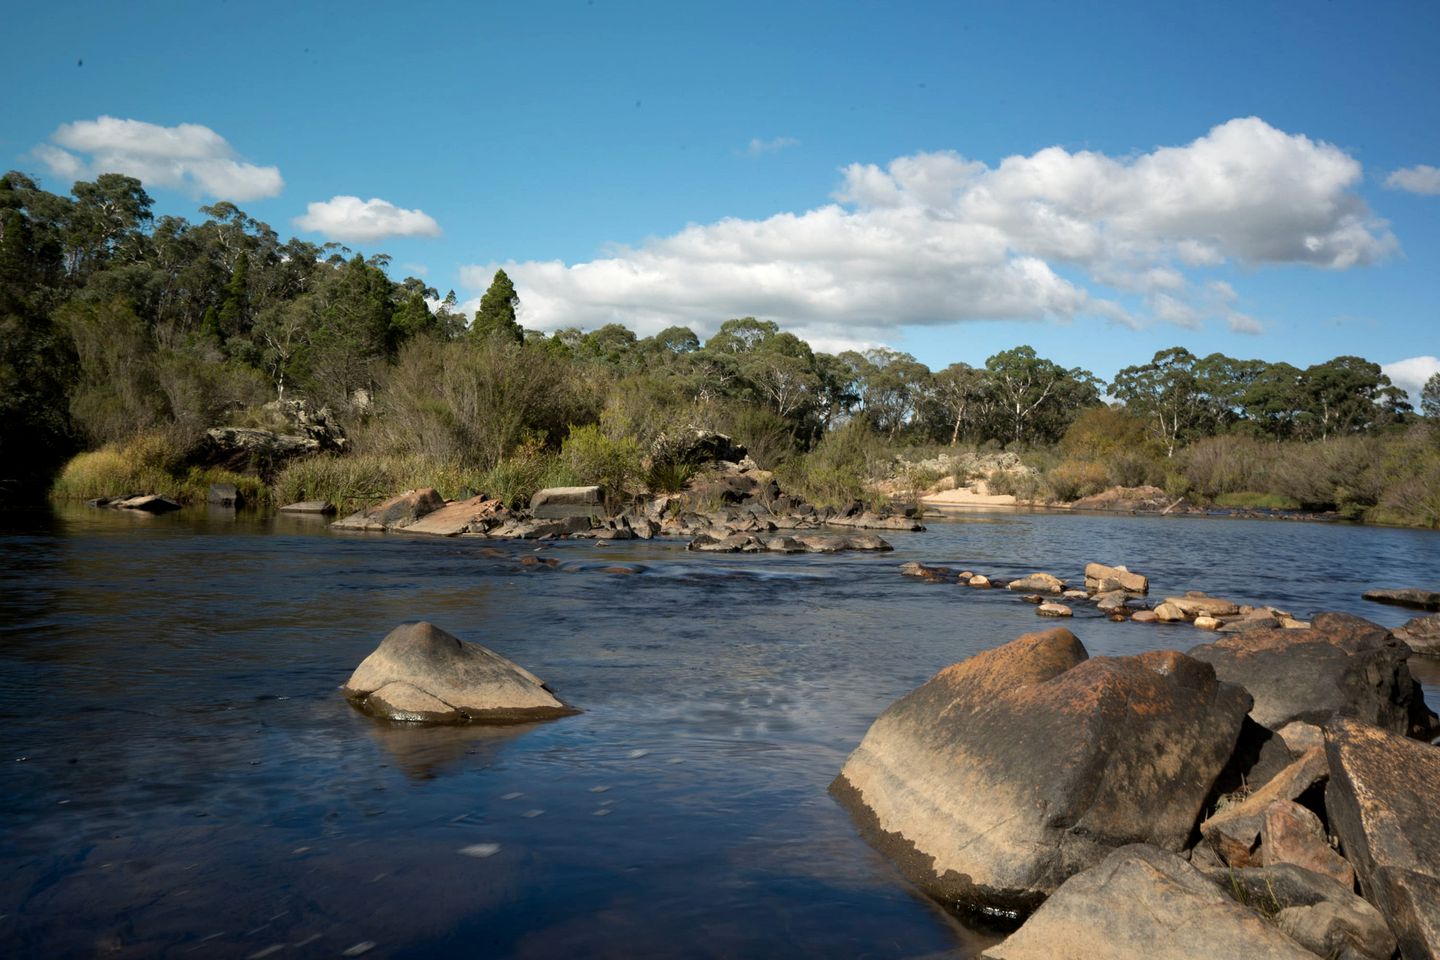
x=1422 y=179
x=758 y=146
x=1411 y=374
x=187 y=157
x=935 y=238
x=352 y=220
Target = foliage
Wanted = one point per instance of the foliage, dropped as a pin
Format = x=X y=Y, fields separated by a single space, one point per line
x=495 y=318
x=592 y=457
x=1074 y=479
x=151 y=462
x=841 y=468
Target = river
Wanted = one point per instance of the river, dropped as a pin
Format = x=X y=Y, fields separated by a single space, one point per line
x=182 y=779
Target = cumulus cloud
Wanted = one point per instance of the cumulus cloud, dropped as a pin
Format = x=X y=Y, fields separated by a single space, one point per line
x=936 y=238
x=352 y=220
x=1422 y=179
x=1411 y=374
x=758 y=147
x=187 y=157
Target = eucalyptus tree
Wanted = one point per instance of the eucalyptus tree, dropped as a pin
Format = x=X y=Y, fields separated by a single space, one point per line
x=1036 y=399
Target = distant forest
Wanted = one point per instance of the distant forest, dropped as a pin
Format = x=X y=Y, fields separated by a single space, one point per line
x=118 y=327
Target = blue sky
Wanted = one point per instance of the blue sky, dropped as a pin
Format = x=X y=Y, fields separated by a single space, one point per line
x=1210 y=175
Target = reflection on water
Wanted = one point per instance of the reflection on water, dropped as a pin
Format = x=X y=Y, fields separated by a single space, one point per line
x=182 y=778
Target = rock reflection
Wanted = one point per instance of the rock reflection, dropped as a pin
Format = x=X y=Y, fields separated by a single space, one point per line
x=424 y=751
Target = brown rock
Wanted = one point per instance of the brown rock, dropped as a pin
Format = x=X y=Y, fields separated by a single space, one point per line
x=1322 y=915
x=396 y=513
x=1054 y=610
x=1381 y=804
x=1234 y=830
x=455 y=517
x=1407 y=597
x=1007 y=773
x=1144 y=616
x=1290 y=833
x=979 y=580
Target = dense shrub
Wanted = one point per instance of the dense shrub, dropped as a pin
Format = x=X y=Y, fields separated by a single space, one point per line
x=1074 y=479
x=592 y=457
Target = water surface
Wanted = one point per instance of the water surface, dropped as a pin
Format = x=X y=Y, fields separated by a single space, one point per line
x=181 y=778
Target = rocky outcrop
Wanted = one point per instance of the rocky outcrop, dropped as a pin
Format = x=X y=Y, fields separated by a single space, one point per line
x=1421 y=635
x=1341 y=665
x=1407 y=597
x=1381 y=803
x=1127 y=500
x=1007 y=773
x=1143 y=903
x=394 y=514
x=421 y=673
x=247 y=450
x=222 y=495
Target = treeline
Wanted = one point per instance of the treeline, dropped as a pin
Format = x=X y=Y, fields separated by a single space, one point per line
x=117 y=325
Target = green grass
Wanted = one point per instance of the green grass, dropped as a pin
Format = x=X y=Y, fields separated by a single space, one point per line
x=147 y=464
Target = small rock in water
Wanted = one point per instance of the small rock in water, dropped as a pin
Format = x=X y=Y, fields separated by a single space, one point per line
x=481 y=850
x=359 y=949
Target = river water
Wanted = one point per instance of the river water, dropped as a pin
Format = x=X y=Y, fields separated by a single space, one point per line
x=179 y=776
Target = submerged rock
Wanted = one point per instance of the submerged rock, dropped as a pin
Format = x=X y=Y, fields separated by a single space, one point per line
x=421 y=673
x=1142 y=903
x=309 y=506
x=1008 y=772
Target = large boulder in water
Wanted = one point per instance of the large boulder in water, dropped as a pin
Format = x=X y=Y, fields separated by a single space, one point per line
x=1340 y=665
x=1421 y=635
x=421 y=673
x=396 y=513
x=1381 y=803
x=1007 y=773
x=1141 y=903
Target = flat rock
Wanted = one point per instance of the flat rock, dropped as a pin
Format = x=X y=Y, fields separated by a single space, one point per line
x=1008 y=772
x=1054 y=610
x=1381 y=803
x=558 y=503
x=455 y=517
x=396 y=513
x=1099 y=575
x=309 y=506
x=1341 y=665
x=1143 y=903
x=1407 y=597
x=1200 y=605
x=1038 y=583
x=421 y=673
